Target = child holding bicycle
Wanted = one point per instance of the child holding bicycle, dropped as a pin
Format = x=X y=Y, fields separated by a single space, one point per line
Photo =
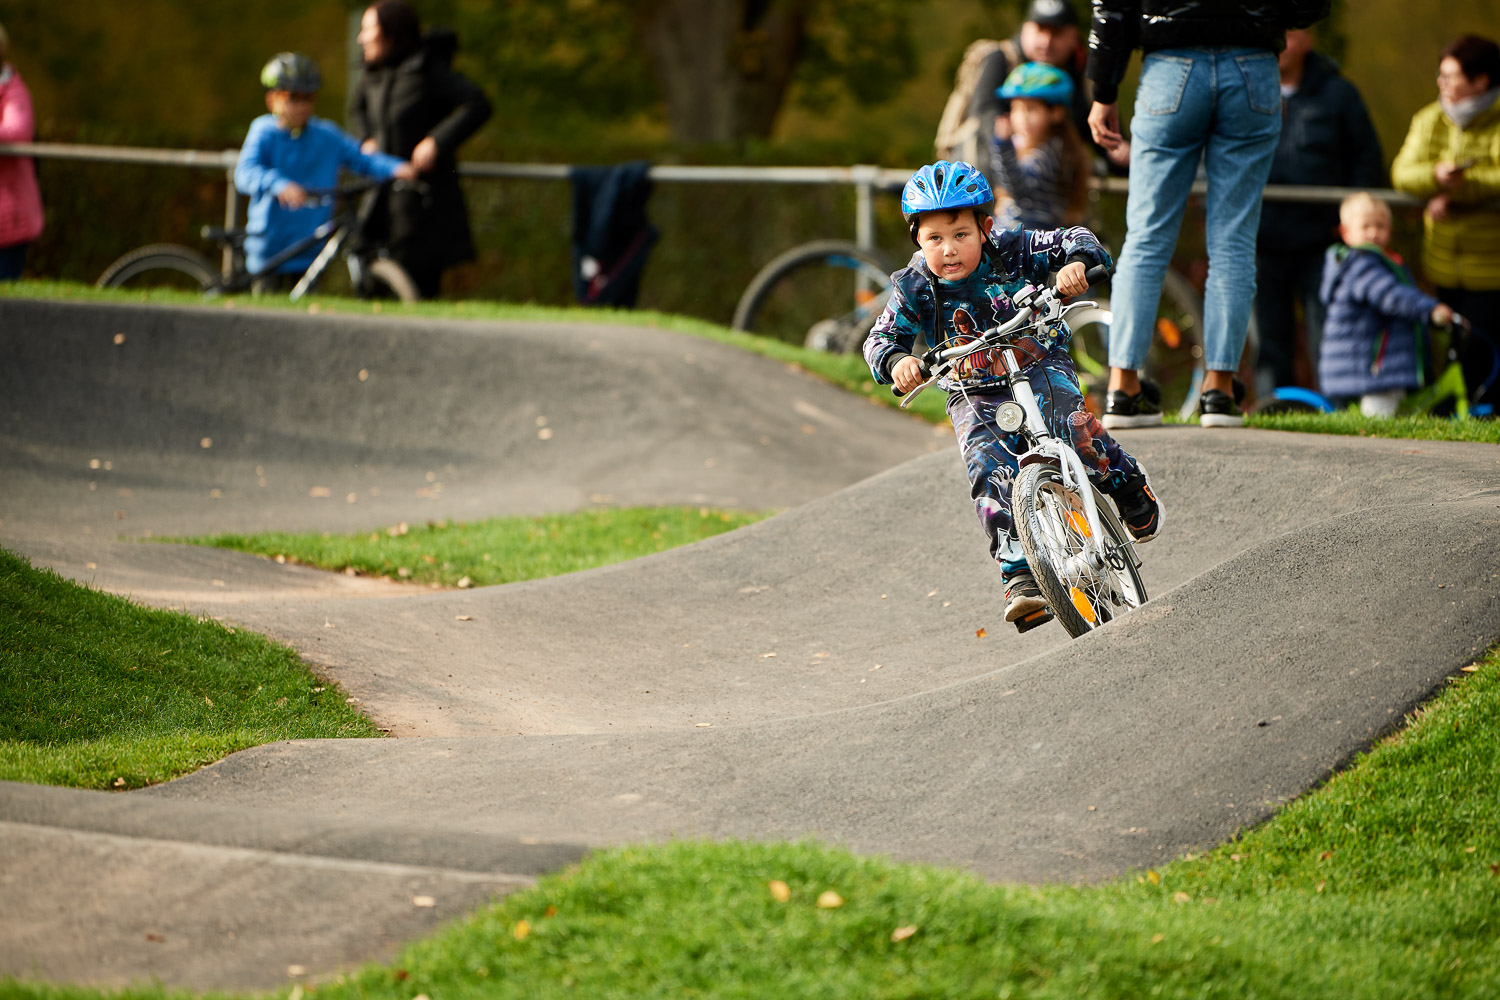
x=1374 y=339
x=962 y=273
x=289 y=152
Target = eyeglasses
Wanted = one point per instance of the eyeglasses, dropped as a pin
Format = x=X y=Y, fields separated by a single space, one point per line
x=1452 y=78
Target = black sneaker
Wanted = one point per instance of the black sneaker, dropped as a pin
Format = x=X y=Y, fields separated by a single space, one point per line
x=1139 y=509
x=1143 y=409
x=1023 y=598
x=1216 y=408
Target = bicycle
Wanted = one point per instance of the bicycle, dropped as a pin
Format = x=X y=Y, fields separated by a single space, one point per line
x=171 y=265
x=827 y=294
x=1082 y=557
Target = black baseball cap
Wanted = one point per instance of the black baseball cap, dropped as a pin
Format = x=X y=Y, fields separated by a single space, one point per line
x=1053 y=12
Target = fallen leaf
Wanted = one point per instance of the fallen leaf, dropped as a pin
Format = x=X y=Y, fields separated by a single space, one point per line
x=296 y=970
x=463 y=618
x=92 y=565
x=829 y=900
x=902 y=933
x=206 y=443
x=1158 y=938
x=151 y=936
x=119 y=338
x=1153 y=877
x=364 y=373
x=522 y=930
x=119 y=782
x=1321 y=885
x=780 y=891
x=464 y=583
x=551 y=911
x=320 y=492
x=702 y=725
x=1470 y=850
x=424 y=901
x=209 y=700
x=1471 y=668
x=766 y=655
x=1325 y=855
x=980 y=633
x=1181 y=897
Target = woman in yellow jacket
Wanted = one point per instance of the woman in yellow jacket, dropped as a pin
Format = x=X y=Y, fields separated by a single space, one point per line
x=1451 y=157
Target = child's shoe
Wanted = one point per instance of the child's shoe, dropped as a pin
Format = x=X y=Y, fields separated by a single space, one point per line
x=1139 y=509
x=1024 y=603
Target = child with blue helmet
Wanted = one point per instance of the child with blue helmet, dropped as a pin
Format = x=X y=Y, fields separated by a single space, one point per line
x=958 y=284
x=289 y=152
x=1039 y=159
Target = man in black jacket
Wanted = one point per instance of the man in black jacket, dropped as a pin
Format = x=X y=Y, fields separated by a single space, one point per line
x=1326 y=139
x=1209 y=91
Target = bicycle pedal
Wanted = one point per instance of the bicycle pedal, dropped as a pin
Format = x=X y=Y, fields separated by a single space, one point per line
x=1040 y=616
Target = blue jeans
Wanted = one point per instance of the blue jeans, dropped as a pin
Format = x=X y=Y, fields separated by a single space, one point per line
x=1222 y=105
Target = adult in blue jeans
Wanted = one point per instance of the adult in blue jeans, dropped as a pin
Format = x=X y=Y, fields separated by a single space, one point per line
x=1209 y=91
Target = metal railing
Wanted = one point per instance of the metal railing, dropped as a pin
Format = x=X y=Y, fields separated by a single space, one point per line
x=865 y=178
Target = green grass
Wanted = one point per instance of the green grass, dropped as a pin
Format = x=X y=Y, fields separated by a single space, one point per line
x=1351 y=422
x=1383 y=883
x=96 y=692
x=498 y=550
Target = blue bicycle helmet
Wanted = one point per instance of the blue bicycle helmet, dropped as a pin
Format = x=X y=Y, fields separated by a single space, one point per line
x=1039 y=82
x=291 y=71
x=944 y=187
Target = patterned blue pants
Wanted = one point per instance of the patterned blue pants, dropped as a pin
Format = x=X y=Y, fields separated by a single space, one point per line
x=990 y=454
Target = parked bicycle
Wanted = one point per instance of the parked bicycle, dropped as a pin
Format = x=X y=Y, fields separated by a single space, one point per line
x=371 y=273
x=1082 y=557
x=827 y=295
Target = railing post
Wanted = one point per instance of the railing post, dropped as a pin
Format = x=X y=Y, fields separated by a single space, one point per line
x=864 y=176
x=231 y=218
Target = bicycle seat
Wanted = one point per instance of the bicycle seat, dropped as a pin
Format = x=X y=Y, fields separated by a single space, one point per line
x=217 y=234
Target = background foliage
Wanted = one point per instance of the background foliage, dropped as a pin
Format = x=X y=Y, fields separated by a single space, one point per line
x=571 y=82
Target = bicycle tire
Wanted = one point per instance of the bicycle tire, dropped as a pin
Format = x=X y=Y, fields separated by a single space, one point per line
x=387 y=273
x=1041 y=505
x=135 y=268
x=810 y=284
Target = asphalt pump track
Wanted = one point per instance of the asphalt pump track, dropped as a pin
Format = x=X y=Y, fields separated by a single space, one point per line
x=840 y=670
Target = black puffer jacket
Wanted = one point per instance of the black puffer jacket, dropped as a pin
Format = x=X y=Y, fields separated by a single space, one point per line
x=1326 y=138
x=401 y=105
x=1122 y=26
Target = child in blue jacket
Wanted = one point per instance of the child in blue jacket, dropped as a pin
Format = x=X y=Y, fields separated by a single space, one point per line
x=288 y=152
x=1374 y=338
x=956 y=286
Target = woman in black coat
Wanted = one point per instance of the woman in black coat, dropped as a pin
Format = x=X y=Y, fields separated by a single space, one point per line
x=411 y=104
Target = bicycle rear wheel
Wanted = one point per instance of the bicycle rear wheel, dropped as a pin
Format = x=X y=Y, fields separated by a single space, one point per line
x=161 y=265
x=1050 y=520
x=826 y=295
x=389 y=280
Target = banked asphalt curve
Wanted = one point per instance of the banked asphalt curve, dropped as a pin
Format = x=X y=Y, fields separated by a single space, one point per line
x=820 y=673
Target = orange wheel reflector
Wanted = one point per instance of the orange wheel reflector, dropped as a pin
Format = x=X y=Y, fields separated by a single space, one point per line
x=1169 y=332
x=1081 y=602
x=1079 y=523
x=865 y=296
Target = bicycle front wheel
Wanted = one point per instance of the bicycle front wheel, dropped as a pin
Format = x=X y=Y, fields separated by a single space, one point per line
x=388 y=279
x=161 y=265
x=1053 y=527
x=825 y=294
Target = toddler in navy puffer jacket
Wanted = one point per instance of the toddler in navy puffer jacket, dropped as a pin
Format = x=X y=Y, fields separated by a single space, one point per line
x=1375 y=336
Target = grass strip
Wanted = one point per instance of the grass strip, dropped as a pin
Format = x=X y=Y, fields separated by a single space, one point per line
x=96 y=692
x=497 y=550
x=1385 y=882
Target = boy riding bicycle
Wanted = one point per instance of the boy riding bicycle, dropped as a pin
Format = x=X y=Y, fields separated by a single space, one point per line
x=288 y=152
x=964 y=269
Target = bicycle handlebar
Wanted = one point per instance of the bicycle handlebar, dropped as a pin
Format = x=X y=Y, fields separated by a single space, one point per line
x=937 y=362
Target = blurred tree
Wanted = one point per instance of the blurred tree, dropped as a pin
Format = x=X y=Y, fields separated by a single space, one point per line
x=717 y=70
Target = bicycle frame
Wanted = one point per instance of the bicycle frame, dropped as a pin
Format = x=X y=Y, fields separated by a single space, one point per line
x=1045 y=447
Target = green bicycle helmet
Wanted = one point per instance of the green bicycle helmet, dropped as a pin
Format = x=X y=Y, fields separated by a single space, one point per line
x=1039 y=82
x=292 y=71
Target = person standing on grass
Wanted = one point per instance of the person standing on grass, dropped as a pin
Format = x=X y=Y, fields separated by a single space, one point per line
x=410 y=103
x=21 y=217
x=1209 y=91
x=1327 y=138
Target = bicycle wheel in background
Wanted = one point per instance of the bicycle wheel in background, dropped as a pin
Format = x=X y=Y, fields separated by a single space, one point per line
x=161 y=265
x=826 y=295
x=1052 y=526
x=1175 y=360
x=388 y=280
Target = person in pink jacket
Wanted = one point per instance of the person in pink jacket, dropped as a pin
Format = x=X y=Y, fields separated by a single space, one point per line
x=20 y=199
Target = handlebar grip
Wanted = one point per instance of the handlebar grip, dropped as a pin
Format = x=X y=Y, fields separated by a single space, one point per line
x=1096 y=274
x=923 y=367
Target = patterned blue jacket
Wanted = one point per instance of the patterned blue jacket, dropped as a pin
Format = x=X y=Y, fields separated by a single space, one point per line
x=938 y=311
x=1374 y=337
